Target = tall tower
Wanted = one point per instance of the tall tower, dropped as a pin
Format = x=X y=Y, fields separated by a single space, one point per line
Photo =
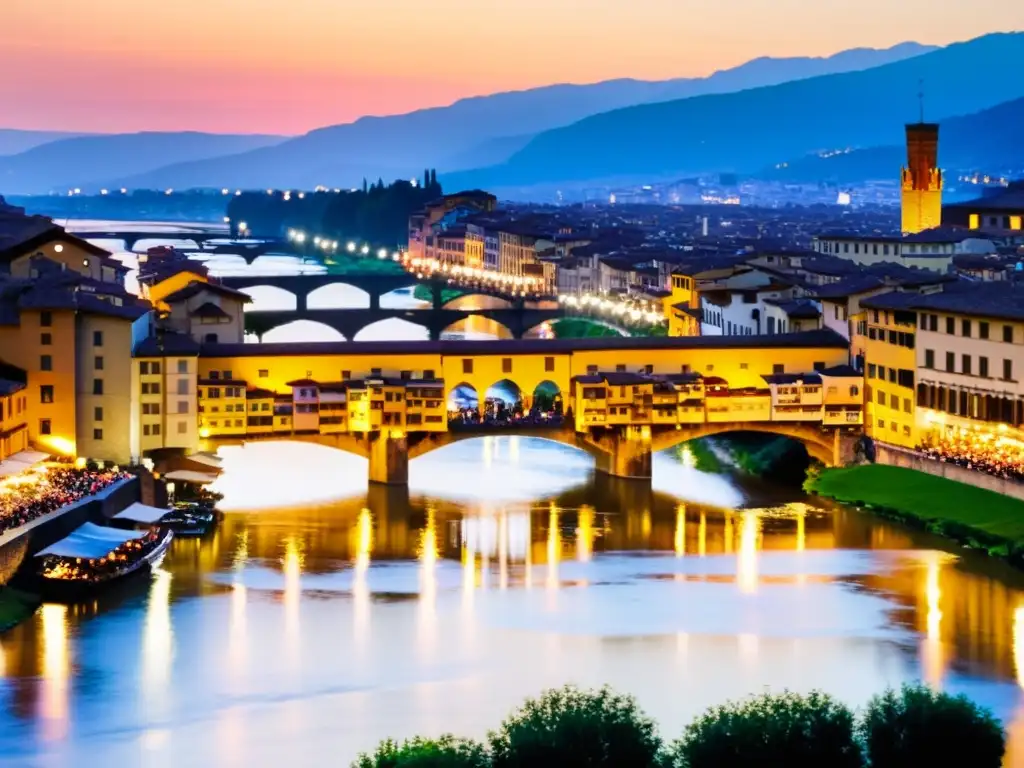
x=921 y=179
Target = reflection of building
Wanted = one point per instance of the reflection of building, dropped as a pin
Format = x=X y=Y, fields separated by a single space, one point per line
x=921 y=179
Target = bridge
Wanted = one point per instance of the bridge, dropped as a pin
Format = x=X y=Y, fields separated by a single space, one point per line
x=248 y=248
x=349 y=322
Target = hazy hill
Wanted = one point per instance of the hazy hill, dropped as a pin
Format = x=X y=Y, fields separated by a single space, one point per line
x=751 y=129
x=987 y=140
x=13 y=140
x=476 y=131
x=85 y=160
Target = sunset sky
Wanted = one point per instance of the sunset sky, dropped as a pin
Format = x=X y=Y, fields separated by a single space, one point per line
x=287 y=66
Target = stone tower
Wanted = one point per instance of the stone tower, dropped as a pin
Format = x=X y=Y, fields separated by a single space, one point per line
x=921 y=181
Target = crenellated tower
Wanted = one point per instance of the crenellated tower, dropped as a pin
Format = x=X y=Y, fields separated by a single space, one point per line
x=921 y=181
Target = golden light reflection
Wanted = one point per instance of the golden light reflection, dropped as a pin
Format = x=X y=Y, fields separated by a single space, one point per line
x=292 y=565
x=801 y=534
x=746 y=567
x=503 y=550
x=932 y=653
x=585 y=534
x=730 y=534
x=702 y=535
x=236 y=649
x=554 y=547
x=360 y=574
x=56 y=670
x=427 y=554
x=157 y=639
x=680 y=537
x=1018 y=644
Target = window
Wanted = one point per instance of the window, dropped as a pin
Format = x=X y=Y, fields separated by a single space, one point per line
x=44 y=427
x=46 y=394
x=933 y=323
x=46 y=318
x=182 y=427
x=892 y=375
x=98 y=363
x=965 y=328
x=983 y=367
x=183 y=406
x=97 y=434
x=881 y=423
x=549 y=364
x=210 y=338
x=1008 y=334
x=155 y=368
x=97 y=338
x=97 y=413
x=97 y=386
x=145 y=430
x=45 y=363
x=428 y=374
x=144 y=368
x=215 y=375
x=214 y=392
x=373 y=372
x=506 y=365
x=871 y=370
x=620 y=368
x=965 y=364
x=880 y=396
x=156 y=429
x=182 y=387
x=907 y=405
x=183 y=366
x=467 y=365
x=591 y=369
x=778 y=368
x=46 y=339
x=854 y=390
x=950 y=362
x=894 y=402
x=1008 y=370
x=227 y=375
x=929 y=358
x=950 y=326
x=982 y=330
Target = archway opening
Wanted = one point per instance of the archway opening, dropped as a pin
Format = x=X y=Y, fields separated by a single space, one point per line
x=578 y=328
x=405 y=298
x=270 y=298
x=756 y=455
x=475 y=301
x=546 y=402
x=503 y=403
x=393 y=329
x=338 y=296
x=476 y=328
x=463 y=405
x=298 y=331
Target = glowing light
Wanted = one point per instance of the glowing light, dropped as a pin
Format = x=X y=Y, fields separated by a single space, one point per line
x=932 y=653
x=350 y=247
x=747 y=565
x=554 y=547
x=364 y=250
x=158 y=638
x=585 y=534
x=680 y=537
x=56 y=669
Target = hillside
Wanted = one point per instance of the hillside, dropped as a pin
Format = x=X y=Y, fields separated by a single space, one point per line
x=13 y=140
x=476 y=131
x=85 y=160
x=751 y=129
x=988 y=140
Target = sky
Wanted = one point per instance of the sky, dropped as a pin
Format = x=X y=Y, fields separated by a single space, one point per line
x=288 y=66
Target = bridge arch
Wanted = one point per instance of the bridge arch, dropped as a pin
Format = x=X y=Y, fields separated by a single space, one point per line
x=546 y=397
x=270 y=298
x=298 y=331
x=338 y=296
x=474 y=301
x=820 y=445
x=477 y=327
x=392 y=329
x=403 y=298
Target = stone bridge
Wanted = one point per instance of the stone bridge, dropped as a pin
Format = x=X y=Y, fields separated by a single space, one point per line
x=249 y=248
x=349 y=322
x=622 y=452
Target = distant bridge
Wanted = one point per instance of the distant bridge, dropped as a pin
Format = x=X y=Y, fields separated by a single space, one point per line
x=249 y=248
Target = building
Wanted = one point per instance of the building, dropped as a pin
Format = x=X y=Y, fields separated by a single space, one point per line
x=921 y=179
x=13 y=411
x=933 y=249
x=1000 y=210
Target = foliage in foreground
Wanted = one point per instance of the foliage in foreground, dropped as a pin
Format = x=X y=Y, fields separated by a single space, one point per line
x=917 y=726
x=445 y=752
x=787 y=729
x=571 y=728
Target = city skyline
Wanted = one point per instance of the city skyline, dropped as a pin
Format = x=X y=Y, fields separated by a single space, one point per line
x=211 y=68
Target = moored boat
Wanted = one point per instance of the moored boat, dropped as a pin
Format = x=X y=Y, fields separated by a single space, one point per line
x=182 y=521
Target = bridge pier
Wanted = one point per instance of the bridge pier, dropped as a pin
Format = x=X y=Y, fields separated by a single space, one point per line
x=389 y=458
x=626 y=453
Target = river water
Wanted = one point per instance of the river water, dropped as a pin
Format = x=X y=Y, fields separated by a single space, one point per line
x=321 y=617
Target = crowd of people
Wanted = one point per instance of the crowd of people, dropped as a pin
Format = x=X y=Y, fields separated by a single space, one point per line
x=999 y=456
x=497 y=413
x=27 y=496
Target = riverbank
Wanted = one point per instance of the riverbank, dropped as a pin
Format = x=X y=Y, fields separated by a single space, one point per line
x=974 y=517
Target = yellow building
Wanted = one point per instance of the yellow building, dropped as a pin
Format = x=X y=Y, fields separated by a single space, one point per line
x=682 y=306
x=13 y=415
x=890 y=367
x=921 y=179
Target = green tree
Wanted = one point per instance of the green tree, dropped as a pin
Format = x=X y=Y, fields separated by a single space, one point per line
x=571 y=728
x=788 y=730
x=445 y=752
x=919 y=726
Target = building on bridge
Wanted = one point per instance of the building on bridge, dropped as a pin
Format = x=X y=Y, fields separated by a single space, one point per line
x=388 y=401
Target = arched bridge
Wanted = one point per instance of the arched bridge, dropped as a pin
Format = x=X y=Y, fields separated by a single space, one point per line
x=201 y=238
x=349 y=322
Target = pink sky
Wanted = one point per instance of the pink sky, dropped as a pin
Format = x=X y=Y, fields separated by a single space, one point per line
x=287 y=66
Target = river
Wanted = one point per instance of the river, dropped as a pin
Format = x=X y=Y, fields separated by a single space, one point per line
x=321 y=617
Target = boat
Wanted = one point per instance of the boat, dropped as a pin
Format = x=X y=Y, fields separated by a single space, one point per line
x=182 y=521
x=95 y=558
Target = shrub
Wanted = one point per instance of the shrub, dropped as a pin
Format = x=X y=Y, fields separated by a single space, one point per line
x=778 y=730
x=568 y=727
x=917 y=726
x=445 y=752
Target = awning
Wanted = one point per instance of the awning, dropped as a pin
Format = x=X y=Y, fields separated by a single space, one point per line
x=209 y=459
x=91 y=542
x=20 y=462
x=188 y=476
x=141 y=513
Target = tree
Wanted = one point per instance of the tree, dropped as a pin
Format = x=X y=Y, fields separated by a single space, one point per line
x=433 y=185
x=918 y=726
x=426 y=178
x=784 y=730
x=364 y=185
x=571 y=728
x=445 y=752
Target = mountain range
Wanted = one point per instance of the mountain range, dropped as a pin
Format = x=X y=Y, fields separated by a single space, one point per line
x=748 y=130
x=471 y=133
x=13 y=140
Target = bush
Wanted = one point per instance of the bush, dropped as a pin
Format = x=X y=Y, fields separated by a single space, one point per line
x=569 y=727
x=784 y=730
x=917 y=726
x=446 y=752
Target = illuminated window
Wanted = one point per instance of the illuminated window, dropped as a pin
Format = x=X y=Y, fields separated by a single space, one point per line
x=974 y=221
x=1016 y=222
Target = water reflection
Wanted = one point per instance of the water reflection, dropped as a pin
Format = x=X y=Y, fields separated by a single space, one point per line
x=398 y=612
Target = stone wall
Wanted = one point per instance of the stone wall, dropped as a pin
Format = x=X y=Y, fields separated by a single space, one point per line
x=902 y=457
